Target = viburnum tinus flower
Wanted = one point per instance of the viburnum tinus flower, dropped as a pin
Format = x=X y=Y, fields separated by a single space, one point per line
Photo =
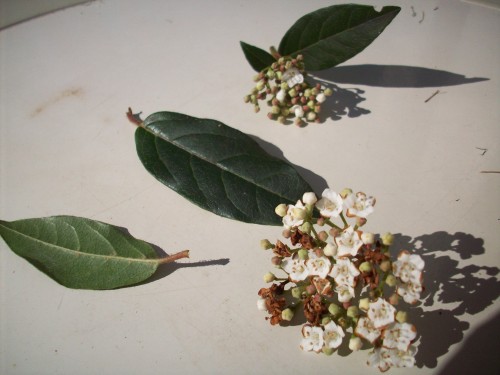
x=343 y=279
x=284 y=87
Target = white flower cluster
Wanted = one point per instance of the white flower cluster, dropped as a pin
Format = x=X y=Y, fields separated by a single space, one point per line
x=340 y=277
x=290 y=96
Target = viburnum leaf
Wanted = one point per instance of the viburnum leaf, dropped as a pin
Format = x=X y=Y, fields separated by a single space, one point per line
x=258 y=58
x=82 y=253
x=216 y=167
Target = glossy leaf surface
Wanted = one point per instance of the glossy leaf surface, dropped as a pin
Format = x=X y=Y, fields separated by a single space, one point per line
x=81 y=253
x=332 y=35
x=217 y=167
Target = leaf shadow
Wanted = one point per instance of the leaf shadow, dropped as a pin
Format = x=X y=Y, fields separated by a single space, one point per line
x=464 y=290
x=345 y=101
x=317 y=182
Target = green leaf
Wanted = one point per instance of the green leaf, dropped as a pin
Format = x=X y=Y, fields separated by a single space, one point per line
x=332 y=35
x=217 y=167
x=81 y=253
x=258 y=58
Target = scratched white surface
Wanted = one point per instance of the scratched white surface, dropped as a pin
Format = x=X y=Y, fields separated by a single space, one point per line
x=66 y=80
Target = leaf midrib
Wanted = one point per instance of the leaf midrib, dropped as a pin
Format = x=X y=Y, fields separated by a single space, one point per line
x=200 y=156
x=79 y=253
x=334 y=35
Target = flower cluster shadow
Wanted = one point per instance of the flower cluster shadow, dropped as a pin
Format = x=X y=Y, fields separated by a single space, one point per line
x=460 y=288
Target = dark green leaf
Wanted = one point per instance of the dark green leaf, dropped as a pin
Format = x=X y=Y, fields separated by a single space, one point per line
x=81 y=253
x=332 y=35
x=258 y=58
x=217 y=167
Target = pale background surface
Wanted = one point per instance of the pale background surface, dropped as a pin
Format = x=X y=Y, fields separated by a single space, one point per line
x=66 y=80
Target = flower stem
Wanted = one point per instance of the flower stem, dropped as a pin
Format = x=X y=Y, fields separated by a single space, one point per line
x=174 y=257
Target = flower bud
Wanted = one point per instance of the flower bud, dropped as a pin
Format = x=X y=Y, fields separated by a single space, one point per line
x=285 y=111
x=299 y=112
x=323 y=236
x=260 y=85
x=287 y=233
x=261 y=304
x=292 y=93
x=297 y=292
x=328 y=92
x=279 y=75
x=256 y=109
x=281 y=210
x=387 y=239
x=402 y=316
x=281 y=119
x=311 y=289
x=270 y=74
x=368 y=238
x=360 y=221
x=287 y=314
x=364 y=304
x=303 y=254
x=284 y=86
x=320 y=98
x=299 y=213
x=334 y=309
x=352 y=311
x=276 y=260
x=246 y=98
x=311 y=116
x=355 y=343
x=266 y=244
x=306 y=228
x=310 y=104
x=390 y=280
x=365 y=267
x=275 y=110
x=309 y=198
x=327 y=350
x=345 y=193
x=330 y=250
x=269 y=277
x=307 y=93
x=385 y=265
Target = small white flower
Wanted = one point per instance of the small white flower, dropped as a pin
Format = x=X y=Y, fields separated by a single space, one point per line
x=281 y=95
x=318 y=266
x=309 y=198
x=380 y=358
x=410 y=291
x=261 y=304
x=359 y=205
x=294 y=216
x=399 y=336
x=381 y=313
x=330 y=204
x=344 y=272
x=320 y=98
x=333 y=335
x=330 y=250
x=400 y=358
x=295 y=268
x=367 y=330
x=348 y=243
x=293 y=77
x=298 y=111
x=408 y=267
x=313 y=338
x=344 y=293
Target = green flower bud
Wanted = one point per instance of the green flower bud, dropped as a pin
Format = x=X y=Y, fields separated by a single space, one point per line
x=345 y=193
x=270 y=74
x=269 y=277
x=390 y=280
x=281 y=210
x=246 y=98
x=284 y=86
x=292 y=93
x=325 y=320
x=260 y=85
x=364 y=304
x=311 y=116
x=402 y=316
x=352 y=311
x=334 y=309
x=387 y=239
x=306 y=227
x=299 y=213
x=275 y=110
x=328 y=351
x=297 y=292
x=279 y=75
x=310 y=104
x=355 y=343
x=365 y=267
x=266 y=245
x=328 y=92
x=303 y=254
x=307 y=93
x=287 y=314
x=285 y=111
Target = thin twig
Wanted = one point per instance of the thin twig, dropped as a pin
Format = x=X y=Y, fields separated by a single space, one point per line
x=134 y=118
x=490 y=172
x=430 y=97
x=483 y=150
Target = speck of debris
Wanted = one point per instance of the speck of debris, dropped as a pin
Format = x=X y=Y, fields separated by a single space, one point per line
x=483 y=150
x=436 y=8
x=413 y=14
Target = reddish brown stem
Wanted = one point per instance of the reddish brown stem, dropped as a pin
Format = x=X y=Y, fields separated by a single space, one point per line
x=174 y=257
